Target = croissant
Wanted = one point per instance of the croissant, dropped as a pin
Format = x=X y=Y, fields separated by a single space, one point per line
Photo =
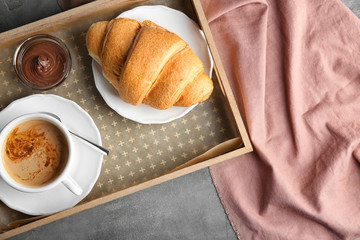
x=148 y=64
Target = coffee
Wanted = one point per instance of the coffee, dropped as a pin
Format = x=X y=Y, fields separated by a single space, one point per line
x=34 y=152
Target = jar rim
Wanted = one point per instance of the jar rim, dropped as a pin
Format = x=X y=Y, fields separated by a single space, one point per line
x=30 y=41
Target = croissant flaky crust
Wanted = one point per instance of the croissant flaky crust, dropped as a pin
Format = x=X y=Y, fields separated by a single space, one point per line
x=148 y=64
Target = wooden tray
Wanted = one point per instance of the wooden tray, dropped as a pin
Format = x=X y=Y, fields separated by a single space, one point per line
x=217 y=120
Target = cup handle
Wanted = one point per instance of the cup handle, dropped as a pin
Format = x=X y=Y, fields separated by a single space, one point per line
x=72 y=185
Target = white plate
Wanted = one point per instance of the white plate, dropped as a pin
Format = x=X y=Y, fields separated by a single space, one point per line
x=177 y=22
x=85 y=171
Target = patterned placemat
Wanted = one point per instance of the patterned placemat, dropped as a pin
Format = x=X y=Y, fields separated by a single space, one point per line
x=137 y=152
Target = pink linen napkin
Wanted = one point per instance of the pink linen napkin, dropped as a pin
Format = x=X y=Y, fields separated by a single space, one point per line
x=294 y=67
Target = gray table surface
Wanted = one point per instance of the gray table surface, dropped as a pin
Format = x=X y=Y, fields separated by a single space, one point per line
x=184 y=208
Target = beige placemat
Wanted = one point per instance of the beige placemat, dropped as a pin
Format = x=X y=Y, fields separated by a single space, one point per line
x=137 y=152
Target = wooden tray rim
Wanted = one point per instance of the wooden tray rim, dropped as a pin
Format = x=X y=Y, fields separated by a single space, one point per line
x=93 y=7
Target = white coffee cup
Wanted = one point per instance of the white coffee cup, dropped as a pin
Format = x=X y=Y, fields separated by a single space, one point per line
x=63 y=177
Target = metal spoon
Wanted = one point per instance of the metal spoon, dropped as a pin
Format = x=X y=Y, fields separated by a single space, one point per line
x=97 y=147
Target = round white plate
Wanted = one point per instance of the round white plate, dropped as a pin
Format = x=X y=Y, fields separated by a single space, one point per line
x=177 y=22
x=85 y=170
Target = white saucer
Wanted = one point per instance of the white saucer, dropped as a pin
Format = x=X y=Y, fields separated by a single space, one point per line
x=85 y=171
x=177 y=22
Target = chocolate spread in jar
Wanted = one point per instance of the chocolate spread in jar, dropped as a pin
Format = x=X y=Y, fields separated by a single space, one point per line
x=44 y=64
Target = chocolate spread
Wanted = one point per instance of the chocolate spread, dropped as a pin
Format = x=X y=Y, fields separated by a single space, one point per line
x=44 y=64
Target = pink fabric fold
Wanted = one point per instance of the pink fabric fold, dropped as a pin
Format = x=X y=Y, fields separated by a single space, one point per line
x=294 y=67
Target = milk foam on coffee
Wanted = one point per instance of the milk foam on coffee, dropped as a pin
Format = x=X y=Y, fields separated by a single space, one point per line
x=34 y=152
